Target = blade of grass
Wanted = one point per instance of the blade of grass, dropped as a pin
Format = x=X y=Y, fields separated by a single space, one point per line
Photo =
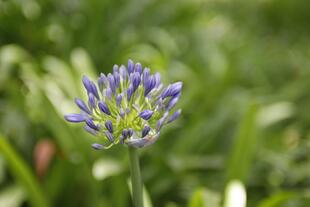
x=23 y=174
x=244 y=145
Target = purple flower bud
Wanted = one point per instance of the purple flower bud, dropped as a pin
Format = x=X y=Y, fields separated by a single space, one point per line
x=172 y=103
x=116 y=79
x=109 y=126
x=123 y=72
x=174 y=116
x=94 y=90
x=146 y=130
x=102 y=81
x=121 y=112
x=109 y=136
x=97 y=146
x=172 y=90
x=91 y=124
x=119 y=99
x=161 y=121
x=90 y=130
x=146 y=114
x=125 y=133
x=149 y=85
x=176 y=88
x=115 y=68
x=75 y=117
x=87 y=83
x=104 y=108
x=138 y=68
x=121 y=139
x=130 y=132
x=91 y=101
x=135 y=80
x=129 y=92
x=82 y=105
x=108 y=93
x=127 y=110
x=157 y=79
x=130 y=66
x=146 y=75
x=112 y=82
x=90 y=86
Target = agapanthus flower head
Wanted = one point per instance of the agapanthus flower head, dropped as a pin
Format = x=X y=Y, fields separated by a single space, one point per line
x=130 y=106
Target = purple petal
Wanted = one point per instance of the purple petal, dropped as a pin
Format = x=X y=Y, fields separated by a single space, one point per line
x=157 y=79
x=91 y=100
x=81 y=104
x=130 y=132
x=121 y=112
x=135 y=80
x=97 y=146
x=172 y=90
x=145 y=130
x=87 y=83
x=121 y=139
x=172 y=103
x=109 y=126
x=127 y=110
x=115 y=68
x=94 y=90
x=119 y=99
x=108 y=93
x=138 y=68
x=146 y=114
x=116 y=79
x=174 y=116
x=125 y=133
x=75 y=117
x=90 y=86
x=102 y=81
x=90 y=130
x=130 y=66
x=111 y=82
x=91 y=124
x=109 y=136
x=161 y=122
x=149 y=85
x=104 y=108
x=146 y=75
x=123 y=72
x=129 y=92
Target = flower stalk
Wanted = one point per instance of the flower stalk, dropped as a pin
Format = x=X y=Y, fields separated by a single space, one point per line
x=128 y=106
x=136 y=182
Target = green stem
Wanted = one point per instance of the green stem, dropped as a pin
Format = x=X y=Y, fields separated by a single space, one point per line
x=136 y=182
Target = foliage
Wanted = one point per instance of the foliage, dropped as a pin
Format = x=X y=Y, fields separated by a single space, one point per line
x=245 y=67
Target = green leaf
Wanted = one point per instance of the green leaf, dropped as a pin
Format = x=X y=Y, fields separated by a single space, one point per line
x=204 y=198
x=277 y=199
x=244 y=145
x=12 y=196
x=23 y=174
x=146 y=197
x=103 y=168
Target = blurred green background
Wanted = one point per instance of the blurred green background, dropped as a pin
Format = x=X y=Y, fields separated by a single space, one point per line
x=246 y=101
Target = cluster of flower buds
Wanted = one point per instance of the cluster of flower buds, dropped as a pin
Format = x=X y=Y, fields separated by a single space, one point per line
x=129 y=106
